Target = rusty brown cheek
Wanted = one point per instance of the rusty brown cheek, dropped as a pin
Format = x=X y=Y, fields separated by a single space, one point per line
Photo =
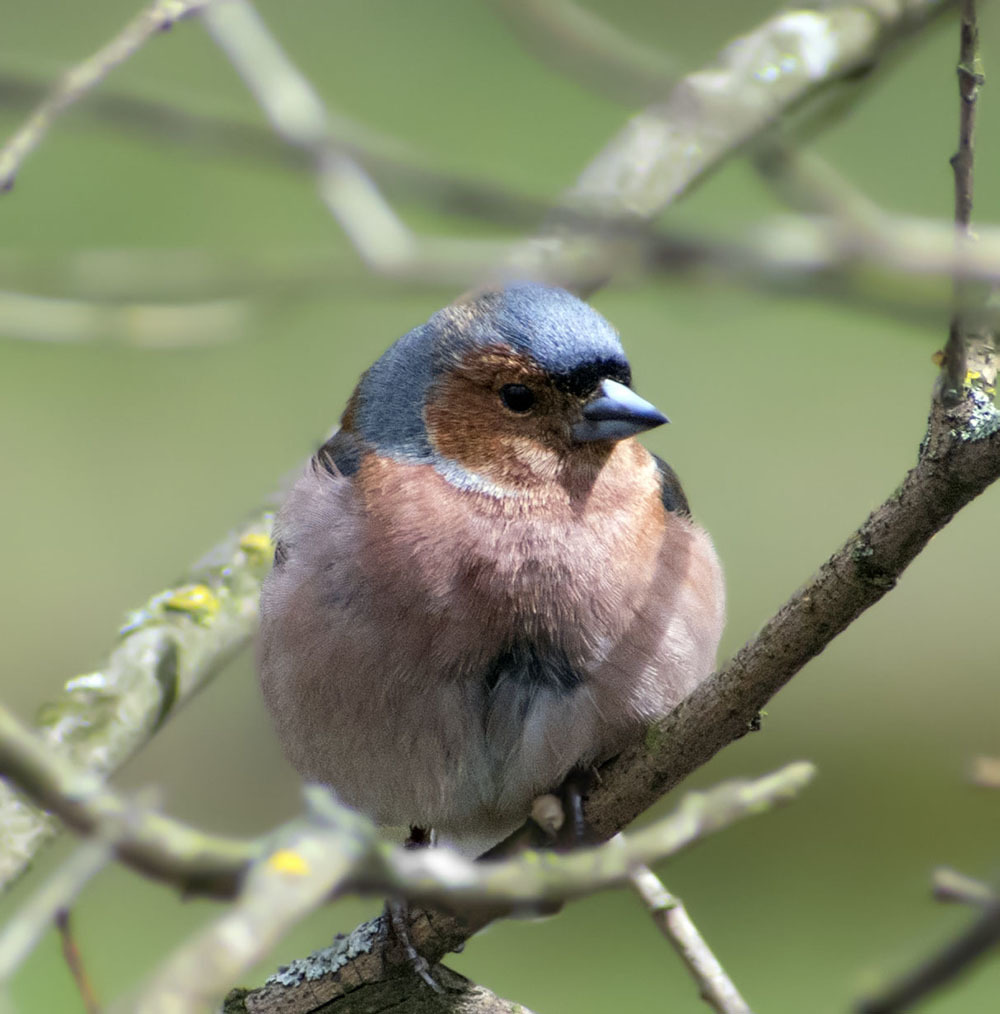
x=467 y=423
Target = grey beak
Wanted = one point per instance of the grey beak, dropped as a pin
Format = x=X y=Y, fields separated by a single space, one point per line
x=616 y=412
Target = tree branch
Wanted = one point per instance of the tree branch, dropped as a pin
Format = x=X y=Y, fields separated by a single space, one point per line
x=166 y=651
x=369 y=955
x=985 y=772
x=581 y=45
x=144 y=325
x=950 y=885
x=970 y=78
x=671 y=146
x=670 y=915
x=391 y=161
x=37 y=915
x=217 y=865
x=940 y=968
x=75 y=83
x=283 y=876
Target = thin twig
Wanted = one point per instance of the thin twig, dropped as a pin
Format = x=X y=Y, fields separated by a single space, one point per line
x=809 y=184
x=970 y=79
x=985 y=772
x=950 y=885
x=36 y=916
x=143 y=325
x=397 y=166
x=75 y=83
x=299 y=116
x=578 y=43
x=940 y=968
x=670 y=915
x=885 y=270
x=524 y=881
x=74 y=961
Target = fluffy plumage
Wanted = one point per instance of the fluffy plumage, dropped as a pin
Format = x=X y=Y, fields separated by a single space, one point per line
x=472 y=594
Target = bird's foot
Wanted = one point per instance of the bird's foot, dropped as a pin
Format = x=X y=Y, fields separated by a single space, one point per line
x=397 y=915
x=560 y=815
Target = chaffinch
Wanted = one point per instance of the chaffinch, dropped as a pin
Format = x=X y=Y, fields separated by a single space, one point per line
x=482 y=581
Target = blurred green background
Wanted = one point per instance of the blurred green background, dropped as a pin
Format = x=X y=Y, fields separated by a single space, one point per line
x=792 y=419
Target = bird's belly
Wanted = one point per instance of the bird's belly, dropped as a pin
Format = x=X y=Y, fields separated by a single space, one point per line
x=524 y=737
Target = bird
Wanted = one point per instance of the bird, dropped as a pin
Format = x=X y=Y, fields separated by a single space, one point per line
x=482 y=581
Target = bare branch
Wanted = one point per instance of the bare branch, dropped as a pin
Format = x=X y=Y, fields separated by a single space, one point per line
x=812 y=186
x=885 y=269
x=486 y=890
x=970 y=78
x=986 y=772
x=297 y=113
x=74 y=961
x=75 y=83
x=675 y=924
x=197 y=862
x=581 y=45
x=277 y=893
x=439 y=876
x=940 y=968
x=712 y=113
x=155 y=845
x=37 y=915
x=145 y=325
x=950 y=885
x=399 y=993
x=288 y=873
x=398 y=167
x=164 y=654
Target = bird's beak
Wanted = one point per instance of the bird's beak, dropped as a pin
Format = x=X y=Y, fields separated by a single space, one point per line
x=616 y=412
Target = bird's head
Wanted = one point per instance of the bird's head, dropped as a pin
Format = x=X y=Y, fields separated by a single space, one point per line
x=503 y=389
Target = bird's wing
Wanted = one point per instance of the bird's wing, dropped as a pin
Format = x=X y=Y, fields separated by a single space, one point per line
x=671 y=494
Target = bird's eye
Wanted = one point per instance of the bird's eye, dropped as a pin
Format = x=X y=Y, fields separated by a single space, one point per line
x=517 y=397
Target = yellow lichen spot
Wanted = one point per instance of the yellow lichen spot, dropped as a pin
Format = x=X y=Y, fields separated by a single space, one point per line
x=971 y=376
x=288 y=861
x=257 y=545
x=196 y=599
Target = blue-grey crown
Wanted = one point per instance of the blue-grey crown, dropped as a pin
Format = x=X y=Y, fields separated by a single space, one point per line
x=566 y=337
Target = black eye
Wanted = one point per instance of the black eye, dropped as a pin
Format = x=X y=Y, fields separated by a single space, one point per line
x=517 y=397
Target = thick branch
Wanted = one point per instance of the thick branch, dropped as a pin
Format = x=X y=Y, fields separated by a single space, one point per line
x=671 y=146
x=165 y=653
x=283 y=876
x=282 y=888
x=959 y=459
